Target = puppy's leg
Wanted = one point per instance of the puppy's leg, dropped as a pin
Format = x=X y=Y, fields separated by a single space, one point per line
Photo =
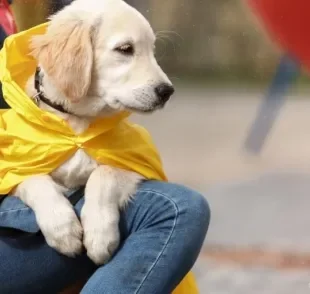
x=108 y=189
x=54 y=213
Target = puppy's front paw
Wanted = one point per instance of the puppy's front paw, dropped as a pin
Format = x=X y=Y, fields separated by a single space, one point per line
x=61 y=228
x=101 y=233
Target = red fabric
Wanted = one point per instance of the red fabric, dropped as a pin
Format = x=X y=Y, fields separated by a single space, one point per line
x=288 y=22
x=6 y=18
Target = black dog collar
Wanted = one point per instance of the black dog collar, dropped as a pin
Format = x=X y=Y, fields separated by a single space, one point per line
x=40 y=95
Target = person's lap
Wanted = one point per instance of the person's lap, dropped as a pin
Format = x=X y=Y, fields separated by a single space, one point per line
x=162 y=233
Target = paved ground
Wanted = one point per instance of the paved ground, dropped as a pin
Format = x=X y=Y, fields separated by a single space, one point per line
x=259 y=203
x=215 y=278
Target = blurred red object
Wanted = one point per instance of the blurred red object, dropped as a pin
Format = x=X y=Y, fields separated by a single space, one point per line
x=288 y=22
x=6 y=18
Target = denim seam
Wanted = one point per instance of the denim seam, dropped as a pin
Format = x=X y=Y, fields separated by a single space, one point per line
x=168 y=239
x=14 y=210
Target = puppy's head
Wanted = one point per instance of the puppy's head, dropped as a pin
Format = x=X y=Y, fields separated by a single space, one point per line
x=99 y=55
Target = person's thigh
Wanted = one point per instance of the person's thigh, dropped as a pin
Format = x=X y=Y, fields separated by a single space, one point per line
x=163 y=229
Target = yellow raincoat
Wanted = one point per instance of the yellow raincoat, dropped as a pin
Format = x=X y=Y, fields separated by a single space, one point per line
x=33 y=141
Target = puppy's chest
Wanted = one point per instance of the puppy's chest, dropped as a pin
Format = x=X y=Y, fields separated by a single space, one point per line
x=76 y=171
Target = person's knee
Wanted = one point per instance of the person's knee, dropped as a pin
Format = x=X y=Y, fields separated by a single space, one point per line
x=186 y=214
x=193 y=210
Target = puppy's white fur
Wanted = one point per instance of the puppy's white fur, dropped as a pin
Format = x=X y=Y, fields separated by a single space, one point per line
x=84 y=71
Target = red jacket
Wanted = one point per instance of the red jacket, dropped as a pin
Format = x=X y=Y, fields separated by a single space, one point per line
x=288 y=22
x=6 y=18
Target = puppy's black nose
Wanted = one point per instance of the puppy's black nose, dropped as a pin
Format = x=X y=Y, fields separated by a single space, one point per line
x=164 y=92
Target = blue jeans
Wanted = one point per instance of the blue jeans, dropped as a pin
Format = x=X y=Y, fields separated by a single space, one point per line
x=162 y=231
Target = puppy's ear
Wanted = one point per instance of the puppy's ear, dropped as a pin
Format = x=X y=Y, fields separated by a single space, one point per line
x=66 y=55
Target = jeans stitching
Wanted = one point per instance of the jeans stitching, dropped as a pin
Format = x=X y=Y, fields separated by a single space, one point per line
x=14 y=210
x=168 y=239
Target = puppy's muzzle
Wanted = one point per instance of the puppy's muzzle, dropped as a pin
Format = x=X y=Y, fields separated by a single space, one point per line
x=164 y=92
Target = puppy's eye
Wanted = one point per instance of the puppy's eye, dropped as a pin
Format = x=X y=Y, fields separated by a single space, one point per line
x=126 y=49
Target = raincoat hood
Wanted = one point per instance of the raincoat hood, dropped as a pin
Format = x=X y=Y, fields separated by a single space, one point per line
x=34 y=141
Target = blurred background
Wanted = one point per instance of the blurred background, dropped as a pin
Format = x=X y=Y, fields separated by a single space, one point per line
x=222 y=63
